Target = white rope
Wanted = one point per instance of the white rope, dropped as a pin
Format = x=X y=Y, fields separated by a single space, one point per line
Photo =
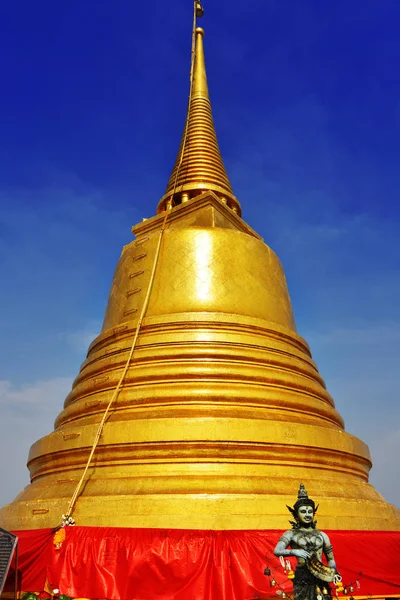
x=67 y=517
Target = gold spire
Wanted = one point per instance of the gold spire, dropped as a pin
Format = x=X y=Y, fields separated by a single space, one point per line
x=199 y=165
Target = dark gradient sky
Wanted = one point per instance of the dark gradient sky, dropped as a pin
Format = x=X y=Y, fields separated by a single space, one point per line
x=306 y=105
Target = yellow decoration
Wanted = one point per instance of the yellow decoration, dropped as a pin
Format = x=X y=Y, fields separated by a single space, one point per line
x=59 y=538
x=291 y=575
x=222 y=411
x=339 y=587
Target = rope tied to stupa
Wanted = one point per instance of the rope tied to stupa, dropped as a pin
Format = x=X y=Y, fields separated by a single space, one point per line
x=67 y=519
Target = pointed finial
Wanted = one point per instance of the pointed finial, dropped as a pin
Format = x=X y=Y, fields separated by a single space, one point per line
x=200 y=86
x=199 y=166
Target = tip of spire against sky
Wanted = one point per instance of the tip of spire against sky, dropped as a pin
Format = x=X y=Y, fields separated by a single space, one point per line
x=305 y=103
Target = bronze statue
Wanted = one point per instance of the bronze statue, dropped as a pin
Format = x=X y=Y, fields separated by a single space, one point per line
x=308 y=544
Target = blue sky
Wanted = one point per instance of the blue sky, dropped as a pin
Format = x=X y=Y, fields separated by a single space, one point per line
x=306 y=105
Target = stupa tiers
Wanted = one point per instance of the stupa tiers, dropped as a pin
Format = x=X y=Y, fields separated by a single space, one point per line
x=222 y=411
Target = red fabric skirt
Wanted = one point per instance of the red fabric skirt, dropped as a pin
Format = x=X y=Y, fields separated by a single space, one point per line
x=170 y=564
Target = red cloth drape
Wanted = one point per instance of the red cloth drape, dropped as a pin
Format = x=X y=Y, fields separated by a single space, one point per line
x=34 y=556
x=171 y=564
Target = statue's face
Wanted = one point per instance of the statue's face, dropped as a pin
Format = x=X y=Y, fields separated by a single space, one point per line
x=306 y=515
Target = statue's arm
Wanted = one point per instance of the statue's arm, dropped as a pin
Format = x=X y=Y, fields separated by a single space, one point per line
x=281 y=549
x=328 y=551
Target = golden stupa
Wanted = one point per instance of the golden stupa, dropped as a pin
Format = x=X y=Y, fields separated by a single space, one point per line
x=218 y=410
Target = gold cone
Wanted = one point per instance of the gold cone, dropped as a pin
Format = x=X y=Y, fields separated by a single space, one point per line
x=222 y=412
x=199 y=165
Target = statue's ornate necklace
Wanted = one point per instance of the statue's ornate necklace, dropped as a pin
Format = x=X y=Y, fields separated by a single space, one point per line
x=311 y=540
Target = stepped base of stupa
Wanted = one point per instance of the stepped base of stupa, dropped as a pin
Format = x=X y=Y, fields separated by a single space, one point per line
x=215 y=511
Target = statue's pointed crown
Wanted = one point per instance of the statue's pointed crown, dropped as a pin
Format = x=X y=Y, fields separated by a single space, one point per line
x=199 y=166
x=302 y=493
